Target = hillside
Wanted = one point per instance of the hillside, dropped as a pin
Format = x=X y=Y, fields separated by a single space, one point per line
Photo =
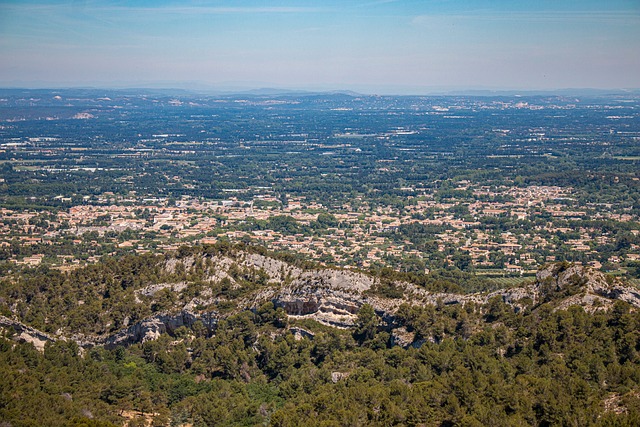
x=222 y=335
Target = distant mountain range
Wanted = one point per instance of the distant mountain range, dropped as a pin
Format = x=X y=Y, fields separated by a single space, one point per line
x=275 y=91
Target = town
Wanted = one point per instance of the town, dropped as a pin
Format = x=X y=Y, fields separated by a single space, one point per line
x=496 y=186
x=360 y=237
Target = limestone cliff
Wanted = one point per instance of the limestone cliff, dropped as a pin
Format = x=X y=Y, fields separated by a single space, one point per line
x=332 y=297
x=20 y=331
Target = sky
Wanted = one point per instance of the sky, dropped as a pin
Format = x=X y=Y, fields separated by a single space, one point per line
x=370 y=46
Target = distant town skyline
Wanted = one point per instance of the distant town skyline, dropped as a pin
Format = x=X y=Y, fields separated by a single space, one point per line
x=383 y=46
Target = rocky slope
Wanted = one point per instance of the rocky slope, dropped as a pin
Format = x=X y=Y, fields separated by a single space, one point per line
x=588 y=288
x=22 y=332
x=332 y=296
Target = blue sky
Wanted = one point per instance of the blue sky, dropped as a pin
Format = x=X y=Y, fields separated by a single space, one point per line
x=382 y=46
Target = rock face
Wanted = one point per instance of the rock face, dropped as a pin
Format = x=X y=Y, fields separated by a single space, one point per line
x=151 y=290
x=26 y=333
x=401 y=337
x=277 y=270
x=593 y=290
x=151 y=328
x=300 y=333
x=334 y=297
x=326 y=305
x=330 y=296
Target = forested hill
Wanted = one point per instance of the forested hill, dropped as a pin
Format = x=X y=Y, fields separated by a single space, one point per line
x=222 y=335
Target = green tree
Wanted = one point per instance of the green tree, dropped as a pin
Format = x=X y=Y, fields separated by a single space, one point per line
x=366 y=324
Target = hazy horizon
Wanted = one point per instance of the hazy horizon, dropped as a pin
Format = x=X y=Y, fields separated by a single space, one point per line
x=191 y=88
x=384 y=46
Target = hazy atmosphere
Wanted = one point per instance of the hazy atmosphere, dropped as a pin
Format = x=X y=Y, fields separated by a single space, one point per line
x=383 y=46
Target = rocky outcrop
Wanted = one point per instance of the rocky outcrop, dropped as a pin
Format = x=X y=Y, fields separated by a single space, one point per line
x=151 y=290
x=26 y=333
x=298 y=306
x=278 y=271
x=632 y=296
x=339 y=376
x=591 y=289
x=334 y=297
x=556 y=277
x=300 y=333
x=327 y=299
x=149 y=329
x=329 y=296
x=402 y=338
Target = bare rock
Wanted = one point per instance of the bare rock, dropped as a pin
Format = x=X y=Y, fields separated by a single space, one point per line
x=338 y=376
x=594 y=286
x=402 y=338
x=300 y=333
x=26 y=333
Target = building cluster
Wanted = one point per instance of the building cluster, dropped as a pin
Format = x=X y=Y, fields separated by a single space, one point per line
x=548 y=227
